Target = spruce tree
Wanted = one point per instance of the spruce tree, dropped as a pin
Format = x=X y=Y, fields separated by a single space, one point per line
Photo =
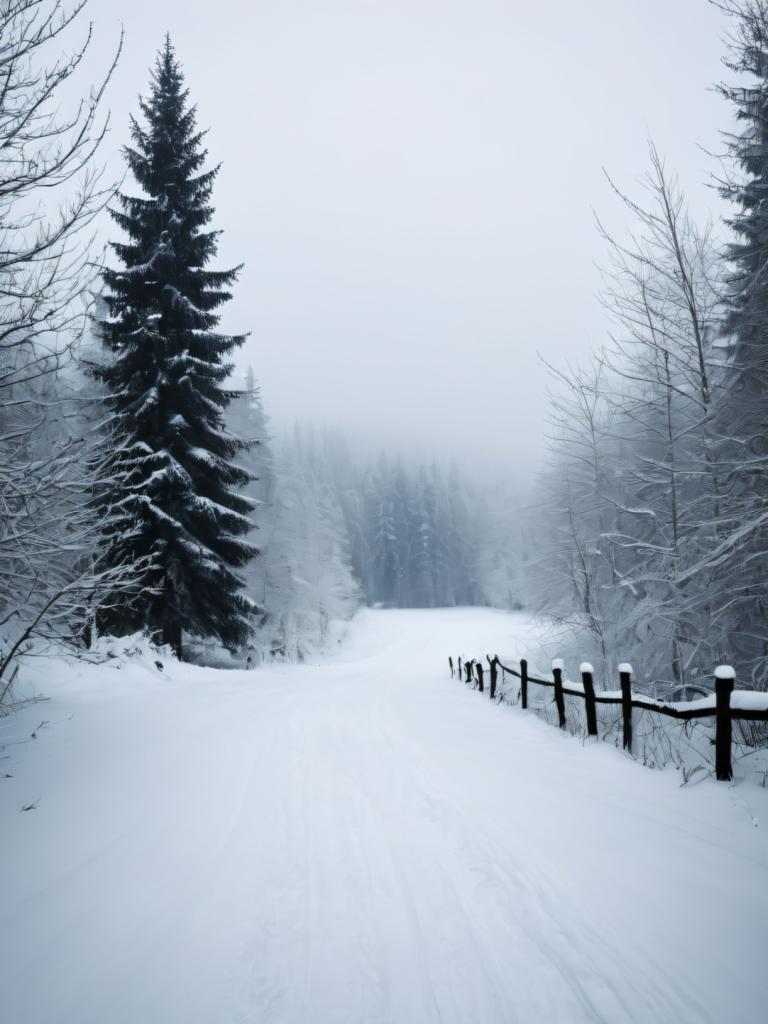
x=246 y=418
x=423 y=532
x=166 y=381
x=741 y=557
x=384 y=542
x=747 y=295
x=401 y=509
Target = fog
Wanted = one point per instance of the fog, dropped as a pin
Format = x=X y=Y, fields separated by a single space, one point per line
x=411 y=187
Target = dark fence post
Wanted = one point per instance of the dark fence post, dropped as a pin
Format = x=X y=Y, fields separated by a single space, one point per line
x=494 y=675
x=625 y=674
x=468 y=671
x=479 y=670
x=460 y=671
x=524 y=683
x=450 y=662
x=587 y=678
x=557 y=672
x=724 y=679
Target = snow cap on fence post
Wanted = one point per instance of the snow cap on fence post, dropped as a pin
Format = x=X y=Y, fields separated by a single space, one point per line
x=626 y=668
x=586 y=667
x=558 y=663
x=725 y=672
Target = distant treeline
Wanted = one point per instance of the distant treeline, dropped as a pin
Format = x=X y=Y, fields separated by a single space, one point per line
x=336 y=532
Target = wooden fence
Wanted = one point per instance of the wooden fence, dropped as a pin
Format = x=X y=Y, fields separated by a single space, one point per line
x=719 y=706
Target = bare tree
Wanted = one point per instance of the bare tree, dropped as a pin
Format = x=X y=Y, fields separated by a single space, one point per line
x=634 y=492
x=663 y=296
x=50 y=192
x=572 y=573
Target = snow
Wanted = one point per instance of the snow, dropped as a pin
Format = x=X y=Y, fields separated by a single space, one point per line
x=700 y=704
x=575 y=685
x=586 y=667
x=625 y=667
x=749 y=700
x=360 y=840
x=149 y=400
x=558 y=663
x=725 y=672
x=183 y=301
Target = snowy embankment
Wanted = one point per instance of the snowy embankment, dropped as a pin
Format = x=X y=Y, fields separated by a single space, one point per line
x=361 y=840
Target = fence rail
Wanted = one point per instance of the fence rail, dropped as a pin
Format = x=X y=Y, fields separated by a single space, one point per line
x=719 y=705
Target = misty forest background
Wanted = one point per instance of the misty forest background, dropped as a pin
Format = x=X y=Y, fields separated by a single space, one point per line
x=143 y=490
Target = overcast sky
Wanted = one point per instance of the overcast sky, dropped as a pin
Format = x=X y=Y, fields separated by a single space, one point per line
x=411 y=185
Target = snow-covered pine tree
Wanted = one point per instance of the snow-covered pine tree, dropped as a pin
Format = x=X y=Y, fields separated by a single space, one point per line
x=247 y=419
x=384 y=538
x=442 y=553
x=741 y=555
x=308 y=579
x=166 y=380
x=423 y=546
x=401 y=516
x=464 y=548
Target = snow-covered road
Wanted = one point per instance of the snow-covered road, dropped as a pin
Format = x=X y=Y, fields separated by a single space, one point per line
x=360 y=841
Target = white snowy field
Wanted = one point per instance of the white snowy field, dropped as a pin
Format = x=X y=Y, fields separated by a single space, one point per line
x=361 y=840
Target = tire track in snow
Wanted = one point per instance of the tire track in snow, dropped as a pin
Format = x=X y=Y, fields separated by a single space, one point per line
x=582 y=959
x=350 y=844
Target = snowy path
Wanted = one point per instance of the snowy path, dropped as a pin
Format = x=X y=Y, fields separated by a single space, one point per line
x=356 y=842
